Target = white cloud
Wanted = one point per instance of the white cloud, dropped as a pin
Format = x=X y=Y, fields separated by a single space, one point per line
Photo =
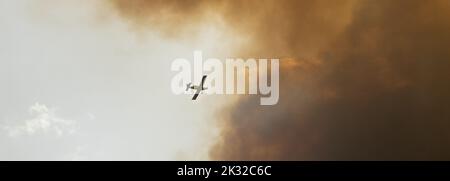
x=44 y=121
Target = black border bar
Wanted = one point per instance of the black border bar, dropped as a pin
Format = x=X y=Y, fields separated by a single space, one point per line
x=267 y=169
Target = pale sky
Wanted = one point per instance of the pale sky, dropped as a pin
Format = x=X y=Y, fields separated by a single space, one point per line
x=77 y=84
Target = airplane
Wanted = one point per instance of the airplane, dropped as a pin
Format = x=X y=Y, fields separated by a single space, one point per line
x=198 y=88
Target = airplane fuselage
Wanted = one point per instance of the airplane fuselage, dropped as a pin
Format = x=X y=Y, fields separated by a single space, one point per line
x=196 y=87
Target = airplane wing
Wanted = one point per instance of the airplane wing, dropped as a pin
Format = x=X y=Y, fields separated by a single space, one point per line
x=203 y=81
x=196 y=94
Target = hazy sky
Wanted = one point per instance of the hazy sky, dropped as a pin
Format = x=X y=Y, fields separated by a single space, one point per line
x=76 y=83
x=90 y=80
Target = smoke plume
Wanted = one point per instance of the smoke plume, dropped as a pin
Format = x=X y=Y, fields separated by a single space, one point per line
x=360 y=80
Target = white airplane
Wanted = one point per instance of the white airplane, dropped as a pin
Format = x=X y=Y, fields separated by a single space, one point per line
x=198 y=89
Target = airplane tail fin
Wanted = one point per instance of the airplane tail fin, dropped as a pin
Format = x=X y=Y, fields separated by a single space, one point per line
x=188 y=86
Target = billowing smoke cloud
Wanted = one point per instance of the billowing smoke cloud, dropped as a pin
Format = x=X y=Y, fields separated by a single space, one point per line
x=360 y=80
x=171 y=17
